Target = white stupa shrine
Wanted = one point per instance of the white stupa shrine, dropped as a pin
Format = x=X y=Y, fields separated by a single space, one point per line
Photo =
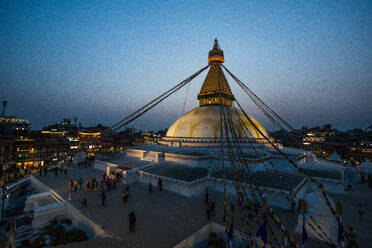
x=335 y=157
x=188 y=158
x=366 y=166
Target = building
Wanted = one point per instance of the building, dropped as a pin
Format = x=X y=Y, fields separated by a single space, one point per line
x=95 y=141
x=22 y=148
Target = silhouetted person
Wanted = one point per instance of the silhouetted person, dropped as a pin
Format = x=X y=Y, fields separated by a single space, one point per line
x=127 y=188
x=150 y=187
x=103 y=198
x=75 y=185
x=124 y=196
x=360 y=211
x=160 y=184
x=81 y=182
x=84 y=203
x=132 y=222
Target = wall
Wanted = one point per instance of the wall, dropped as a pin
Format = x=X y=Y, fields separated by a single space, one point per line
x=276 y=197
x=77 y=218
x=178 y=158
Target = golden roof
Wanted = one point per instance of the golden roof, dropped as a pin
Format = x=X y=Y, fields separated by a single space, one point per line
x=215 y=89
x=211 y=83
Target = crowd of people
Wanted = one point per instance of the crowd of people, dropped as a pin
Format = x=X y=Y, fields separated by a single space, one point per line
x=102 y=186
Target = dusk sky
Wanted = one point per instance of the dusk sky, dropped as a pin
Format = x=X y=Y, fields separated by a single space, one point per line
x=311 y=61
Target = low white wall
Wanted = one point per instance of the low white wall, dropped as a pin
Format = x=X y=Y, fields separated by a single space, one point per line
x=43 y=215
x=187 y=189
x=306 y=186
x=77 y=218
x=135 y=153
x=14 y=185
x=275 y=197
x=179 y=158
x=332 y=186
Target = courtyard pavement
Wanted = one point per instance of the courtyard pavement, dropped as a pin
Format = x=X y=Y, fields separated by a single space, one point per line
x=165 y=218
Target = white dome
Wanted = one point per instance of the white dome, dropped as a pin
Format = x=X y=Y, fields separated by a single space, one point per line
x=366 y=164
x=204 y=122
x=335 y=157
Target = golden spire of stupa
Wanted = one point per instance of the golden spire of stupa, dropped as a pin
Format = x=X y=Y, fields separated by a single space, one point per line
x=215 y=89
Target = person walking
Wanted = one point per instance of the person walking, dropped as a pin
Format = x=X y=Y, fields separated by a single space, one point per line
x=70 y=185
x=150 y=187
x=132 y=221
x=94 y=184
x=240 y=201
x=360 y=211
x=160 y=184
x=81 y=182
x=103 y=198
x=124 y=196
x=84 y=203
x=45 y=170
x=127 y=188
x=102 y=187
x=65 y=172
x=75 y=185
x=88 y=186
x=56 y=171
x=40 y=172
x=352 y=241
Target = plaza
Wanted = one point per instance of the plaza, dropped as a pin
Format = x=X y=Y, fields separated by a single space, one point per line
x=166 y=218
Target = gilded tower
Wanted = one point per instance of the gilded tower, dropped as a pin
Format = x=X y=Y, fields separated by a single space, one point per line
x=215 y=89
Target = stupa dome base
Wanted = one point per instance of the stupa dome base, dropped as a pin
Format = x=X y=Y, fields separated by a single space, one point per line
x=201 y=127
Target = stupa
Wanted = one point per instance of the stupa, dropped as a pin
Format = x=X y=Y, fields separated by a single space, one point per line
x=201 y=126
x=366 y=167
x=335 y=157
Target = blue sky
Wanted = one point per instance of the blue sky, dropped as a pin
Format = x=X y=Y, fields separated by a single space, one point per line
x=99 y=60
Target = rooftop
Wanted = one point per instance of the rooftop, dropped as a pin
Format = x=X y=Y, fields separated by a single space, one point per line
x=164 y=218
